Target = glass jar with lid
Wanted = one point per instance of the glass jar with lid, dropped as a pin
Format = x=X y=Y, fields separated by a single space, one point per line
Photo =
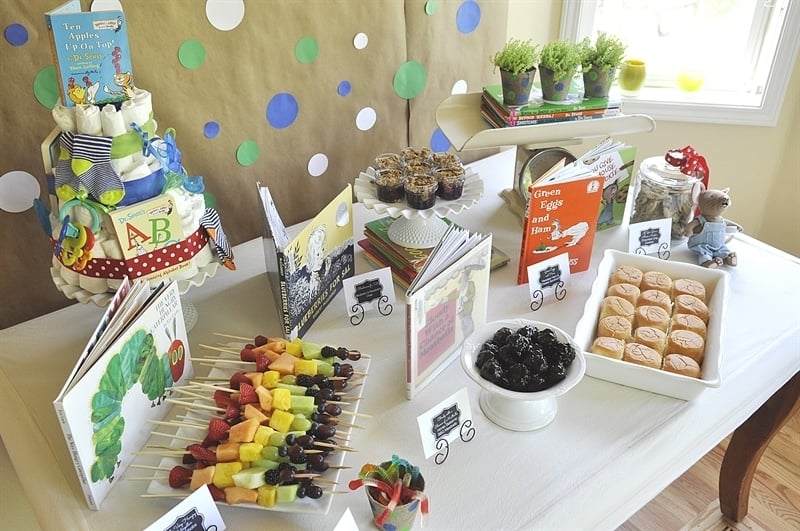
x=664 y=187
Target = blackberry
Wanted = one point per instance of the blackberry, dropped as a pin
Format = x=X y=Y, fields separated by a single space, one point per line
x=501 y=335
x=328 y=352
x=272 y=477
x=306 y=380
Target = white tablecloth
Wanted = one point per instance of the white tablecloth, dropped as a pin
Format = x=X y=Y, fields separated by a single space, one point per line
x=608 y=452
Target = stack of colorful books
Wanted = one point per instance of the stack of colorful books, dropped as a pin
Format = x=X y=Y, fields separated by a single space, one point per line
x=538 y=111
x=405 y=262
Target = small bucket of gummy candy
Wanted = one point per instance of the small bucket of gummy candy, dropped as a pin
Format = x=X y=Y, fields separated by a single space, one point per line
x=395 y=493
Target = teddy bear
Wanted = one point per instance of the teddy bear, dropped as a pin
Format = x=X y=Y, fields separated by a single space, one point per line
x=707 y=232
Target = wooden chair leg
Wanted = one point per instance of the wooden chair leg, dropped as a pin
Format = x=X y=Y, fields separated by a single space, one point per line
x=748 y=443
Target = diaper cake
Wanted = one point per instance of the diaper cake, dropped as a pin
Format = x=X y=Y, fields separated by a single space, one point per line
x=120 y=201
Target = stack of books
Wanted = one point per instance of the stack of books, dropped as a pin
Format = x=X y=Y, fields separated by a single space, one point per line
x=538 y=111
x=404 y=262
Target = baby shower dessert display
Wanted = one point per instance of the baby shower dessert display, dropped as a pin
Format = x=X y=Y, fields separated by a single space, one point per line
x=121 y=202
x=266 y=425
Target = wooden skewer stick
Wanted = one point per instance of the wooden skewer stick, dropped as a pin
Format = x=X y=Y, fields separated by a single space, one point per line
x=174 y=436
x=145 y=478
x=224 y=360
x=248 y=339
x=151 y=467
x=188 y=392
x=209 y=379
x=193 y=405
x=219 y=349
x=215 y=387
x=165 y=495
x=195 y=415
x=334 y=446
x=364 y=415
x=335 y=491
x=178 y=424
x=162 y=452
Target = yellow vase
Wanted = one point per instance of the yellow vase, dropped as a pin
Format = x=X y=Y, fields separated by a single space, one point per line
x=632 y=73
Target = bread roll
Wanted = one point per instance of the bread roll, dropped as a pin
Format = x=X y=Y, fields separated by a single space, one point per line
x=614 y=326
x=642 y=355
x=625 y=274
x=680 y=364
x=654 y=297
x=609 y=347
x=687 y=321
x=654 y=316
x=656 y=280
x=691 y=305
x=651 y=337
x=613 y=305
x=629 y=292
x=688 y=286
x=687 y=343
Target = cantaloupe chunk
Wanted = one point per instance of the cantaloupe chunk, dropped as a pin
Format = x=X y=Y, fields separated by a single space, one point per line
x=227 y=451
x=267 y=351
x=284 y=364
x=270 y=379
x=281 y=420
x=266 y=495
x=264 y=398
x=223 y=473
x=262 y=435
x=244 y=431
x=252 y=412
x=202 y=476
x=281 y=399
x=255 y=377
x=250 y=452
x=250 y=478
x=234 y=495
x=305 y=367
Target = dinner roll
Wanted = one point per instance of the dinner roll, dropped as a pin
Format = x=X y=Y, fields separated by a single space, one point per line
x=625 y=274
x=680 y=364
x=691 y=305
x=654 y=297
x=654 y=316
x=656 y=280
x=687 y=321
x=609 y=347
x=642 y=355
x=629 y=292
x=613 y=305
x=687 y=343
x=614 y=326
x=651 y=337
x=688 y=286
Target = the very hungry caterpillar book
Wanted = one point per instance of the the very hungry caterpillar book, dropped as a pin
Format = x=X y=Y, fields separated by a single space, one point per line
x=91 y=54
x=120 y=381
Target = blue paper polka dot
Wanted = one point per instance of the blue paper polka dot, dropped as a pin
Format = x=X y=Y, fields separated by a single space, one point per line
x=211 y=129
x=344 y=88
x=468 y=16
x=282 y=110
x=16 y=34
x=439 y=141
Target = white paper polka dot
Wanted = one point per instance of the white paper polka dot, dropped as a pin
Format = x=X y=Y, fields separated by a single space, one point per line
x=106 y=5
x=317 y=165
x=18 y=189
x=360 y=41
x=459 y=87
x=225 y=15
x=365 y=119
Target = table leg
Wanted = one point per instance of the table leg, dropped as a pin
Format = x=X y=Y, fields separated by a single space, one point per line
x=748 y=444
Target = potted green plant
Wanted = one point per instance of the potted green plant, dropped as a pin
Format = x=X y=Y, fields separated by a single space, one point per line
x=599 y=62
x=558 y=63
x=517 y=64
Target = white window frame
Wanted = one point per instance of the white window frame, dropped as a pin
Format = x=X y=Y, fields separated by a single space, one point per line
x=577 y=17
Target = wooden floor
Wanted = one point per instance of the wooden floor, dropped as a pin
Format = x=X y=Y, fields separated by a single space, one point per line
x=690 y=503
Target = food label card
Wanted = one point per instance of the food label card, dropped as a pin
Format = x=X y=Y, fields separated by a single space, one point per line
x=549 y=278
x=369 y=291
x=197 y=512
x=444 y=421
x=650 y=237
x=346 y=522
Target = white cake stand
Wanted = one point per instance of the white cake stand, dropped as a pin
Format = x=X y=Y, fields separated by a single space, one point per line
x=417 y=229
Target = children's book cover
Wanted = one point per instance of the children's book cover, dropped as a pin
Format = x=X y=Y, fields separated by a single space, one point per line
x=91 y=54
x=446 y=304
x=306 y=272
x=105 y=413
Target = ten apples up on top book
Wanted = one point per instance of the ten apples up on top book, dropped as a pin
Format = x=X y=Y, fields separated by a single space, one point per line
x=561 y=216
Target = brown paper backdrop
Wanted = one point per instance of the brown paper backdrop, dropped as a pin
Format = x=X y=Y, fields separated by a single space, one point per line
x=243 y=69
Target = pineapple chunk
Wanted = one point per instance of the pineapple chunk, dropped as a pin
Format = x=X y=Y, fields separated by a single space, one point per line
x=295 y=347
x=244 y=431
x=270 y=379
x=262 y=435
x=305 y=367
x=223 y=473
x=250 y=478
x=281 y=399
x=250 y=452
x=267 y=495
x=234 y=495
x=281 y=420
x=264 y=398
x=202 y=476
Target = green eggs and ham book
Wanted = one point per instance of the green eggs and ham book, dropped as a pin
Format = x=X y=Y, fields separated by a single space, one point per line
x=91 y=54
x=120 y=383
x=306 y=272
x=445 y=303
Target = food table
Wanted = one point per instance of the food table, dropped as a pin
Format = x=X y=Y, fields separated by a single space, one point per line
x=609 y=450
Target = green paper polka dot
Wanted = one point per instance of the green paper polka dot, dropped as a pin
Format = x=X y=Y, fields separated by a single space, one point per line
x=306 y=50
x=409 y=80
x=247 y=153
x=430 y=7
x=210 y=200
x=192 y=54
x=45 y=87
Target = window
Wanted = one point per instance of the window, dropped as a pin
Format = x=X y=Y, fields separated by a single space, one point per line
x=742 y=52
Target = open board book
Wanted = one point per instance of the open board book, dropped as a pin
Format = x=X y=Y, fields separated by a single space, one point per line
x=119 y=383
x=306 y=272
x=445 y=303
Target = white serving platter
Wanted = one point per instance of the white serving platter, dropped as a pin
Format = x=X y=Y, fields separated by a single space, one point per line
x=646 y=378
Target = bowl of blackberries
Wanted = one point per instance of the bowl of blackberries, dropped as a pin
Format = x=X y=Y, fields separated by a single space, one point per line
x=522 y=366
